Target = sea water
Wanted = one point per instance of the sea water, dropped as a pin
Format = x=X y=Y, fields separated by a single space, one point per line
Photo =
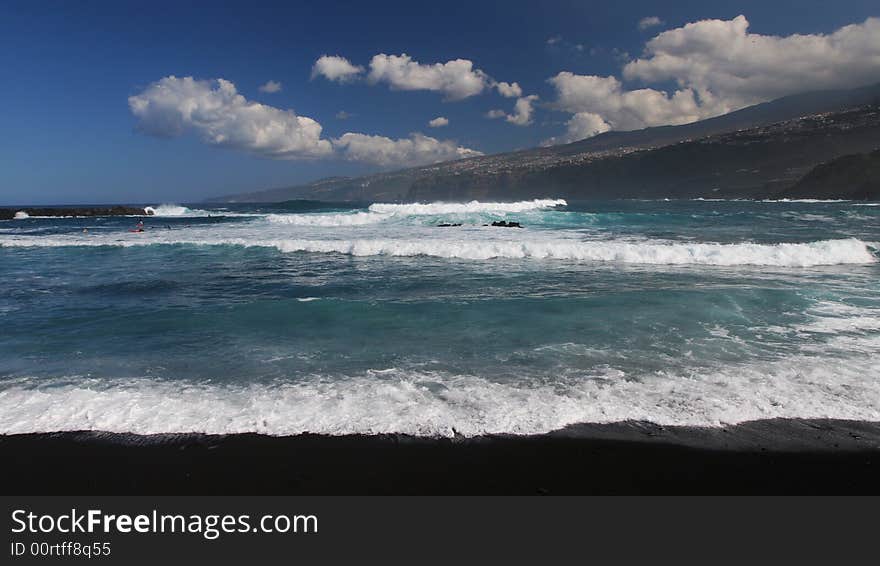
x=327 y=318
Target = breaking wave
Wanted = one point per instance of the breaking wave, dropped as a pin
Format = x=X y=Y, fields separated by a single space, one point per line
x=466 y=207
x=380 y=212
x=824 y=252
x=441 y=404
x=173 y=210
x=353 y=219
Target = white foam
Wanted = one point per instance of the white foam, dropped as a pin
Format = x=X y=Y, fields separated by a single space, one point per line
x=836 y=318
x=353 y=219
x=828 y=252
x=810 y=254
x=177 y=210
x=465 y=208
x=804 y=200
x=21 y=215
x=440 y=404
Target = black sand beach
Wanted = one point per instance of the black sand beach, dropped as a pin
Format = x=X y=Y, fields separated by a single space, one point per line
x=772 y=456
x=8 y=213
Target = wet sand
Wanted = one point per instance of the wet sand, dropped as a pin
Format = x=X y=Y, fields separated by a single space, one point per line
x=772 y=456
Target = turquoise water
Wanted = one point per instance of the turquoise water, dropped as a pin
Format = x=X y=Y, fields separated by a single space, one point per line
x=315 y=317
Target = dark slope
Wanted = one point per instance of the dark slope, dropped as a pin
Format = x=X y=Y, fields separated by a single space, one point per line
x=854 y=177
x=616 y=163
x=779 y=110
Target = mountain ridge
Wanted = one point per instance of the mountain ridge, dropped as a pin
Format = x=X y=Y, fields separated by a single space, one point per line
x=595 y=161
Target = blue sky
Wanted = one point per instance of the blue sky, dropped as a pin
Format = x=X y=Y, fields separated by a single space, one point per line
x=71 y=133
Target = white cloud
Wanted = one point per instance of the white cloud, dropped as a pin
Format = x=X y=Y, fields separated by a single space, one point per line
x=343 y=115
x=650 y=22
x=554 y=40
x=508 y=90
x=624 y=109
x=418 y=149
x=522 y=111
x=438 y=122
x=718 y=67
x=730 y=68
x=457 y=79
x=270 y=87
x=336 y=68
x=215 y=111
x=582 y=125
x=222 y=117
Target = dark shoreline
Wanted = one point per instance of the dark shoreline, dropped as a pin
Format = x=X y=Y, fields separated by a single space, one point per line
x=8 y=213
x=771 y=456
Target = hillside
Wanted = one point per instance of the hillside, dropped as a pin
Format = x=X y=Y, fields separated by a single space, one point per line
x=854 y=177
x=756 y=151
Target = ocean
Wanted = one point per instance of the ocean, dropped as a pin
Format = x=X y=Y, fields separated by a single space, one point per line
x=335 y=319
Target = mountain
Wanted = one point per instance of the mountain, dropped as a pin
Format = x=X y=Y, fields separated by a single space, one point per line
x=855 y=177
x=756 y=151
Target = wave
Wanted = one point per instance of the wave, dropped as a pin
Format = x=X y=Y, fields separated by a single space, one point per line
x=352 y=219
x=464 y=208
x=442 y=404
x=824 y=252
x=805 y=200
x=21 y=215
x=828 y=252
x=174 y=210
x=379 y=212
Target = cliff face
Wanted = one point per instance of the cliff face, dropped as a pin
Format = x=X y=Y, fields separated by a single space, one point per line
x=855 y=177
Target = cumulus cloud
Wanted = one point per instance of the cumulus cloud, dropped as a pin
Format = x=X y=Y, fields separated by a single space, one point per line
x=718 y=67
x=215 y=111
x=580 y=126
x=650 y=22
x=730 y=68
x=624 y=109
x=270 y=87
x=508 y=90
x=456 y=79
x=222 y=117
x=418 y=149
x=438 y=122
x=336 y=68
x=522 y=111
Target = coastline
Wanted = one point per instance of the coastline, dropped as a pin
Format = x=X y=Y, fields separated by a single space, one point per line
x=73 y=211
x=769 y=456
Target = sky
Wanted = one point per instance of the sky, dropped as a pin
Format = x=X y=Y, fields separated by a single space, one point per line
x=124 y=102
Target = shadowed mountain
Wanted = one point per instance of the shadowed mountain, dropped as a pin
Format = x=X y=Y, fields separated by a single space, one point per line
x=754 y=152
x=855 y=177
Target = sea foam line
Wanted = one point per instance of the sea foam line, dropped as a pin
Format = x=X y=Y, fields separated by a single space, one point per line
x=465 y=207
x=441 y=404
x=823 y=252
x=380 y=212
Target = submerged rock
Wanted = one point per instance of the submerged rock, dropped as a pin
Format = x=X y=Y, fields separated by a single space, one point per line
x=505 y=224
